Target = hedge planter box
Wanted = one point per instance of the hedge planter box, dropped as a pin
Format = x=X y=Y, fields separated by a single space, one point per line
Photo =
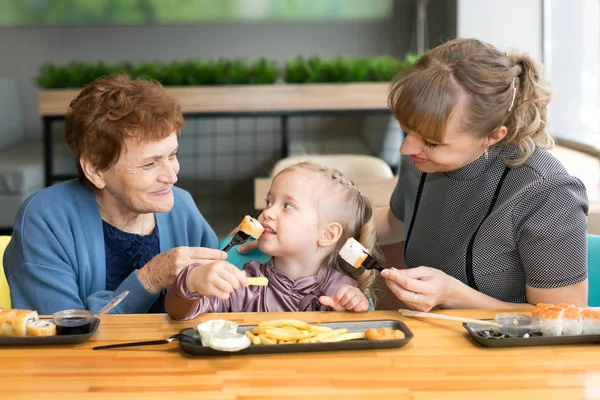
x=325 y=97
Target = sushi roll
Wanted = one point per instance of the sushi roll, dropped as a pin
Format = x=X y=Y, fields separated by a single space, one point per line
x=539 y=309
x=590 y=321
x=14 y=322
x=6 y=322
x=21 y=319
x=358 y=256
x=572 y=321
x=552 y=321
x=41 y=327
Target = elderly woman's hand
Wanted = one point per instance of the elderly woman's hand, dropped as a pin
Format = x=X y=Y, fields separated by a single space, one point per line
x=420 y=288
x=162 y=270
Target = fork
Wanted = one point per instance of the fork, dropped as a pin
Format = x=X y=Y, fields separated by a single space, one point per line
x=239 y=238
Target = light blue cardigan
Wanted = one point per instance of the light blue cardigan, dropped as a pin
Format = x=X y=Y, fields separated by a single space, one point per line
x=56 y=257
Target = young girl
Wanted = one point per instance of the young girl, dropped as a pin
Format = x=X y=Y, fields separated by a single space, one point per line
x=310 y=213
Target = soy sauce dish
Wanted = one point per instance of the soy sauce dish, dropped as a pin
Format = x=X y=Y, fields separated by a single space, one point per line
x=72 y=322
x=513 y=326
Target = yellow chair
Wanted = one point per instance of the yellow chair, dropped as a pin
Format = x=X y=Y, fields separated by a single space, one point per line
x=4 y=290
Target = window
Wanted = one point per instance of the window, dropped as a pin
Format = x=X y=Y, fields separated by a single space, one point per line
x=572 y=58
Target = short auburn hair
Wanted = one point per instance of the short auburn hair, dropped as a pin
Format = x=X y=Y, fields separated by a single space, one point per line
x=113 y=108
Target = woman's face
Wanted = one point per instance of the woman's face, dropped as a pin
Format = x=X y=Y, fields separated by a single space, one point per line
x=458 y=148
x=142 y=179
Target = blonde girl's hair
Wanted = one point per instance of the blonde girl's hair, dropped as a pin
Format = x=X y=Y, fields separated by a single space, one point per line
x=497 y=89
x=356 y=214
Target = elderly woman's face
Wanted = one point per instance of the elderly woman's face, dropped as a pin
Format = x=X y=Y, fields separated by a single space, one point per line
x=143 y=178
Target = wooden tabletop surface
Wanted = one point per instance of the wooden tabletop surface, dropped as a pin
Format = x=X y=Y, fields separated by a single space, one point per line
x=251 y=98
x=440 y=362
x=379 y=190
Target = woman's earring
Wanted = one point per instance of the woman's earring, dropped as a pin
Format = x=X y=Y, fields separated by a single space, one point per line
x=485 y=153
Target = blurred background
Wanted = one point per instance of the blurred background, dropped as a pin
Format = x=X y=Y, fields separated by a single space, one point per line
x=53 y=45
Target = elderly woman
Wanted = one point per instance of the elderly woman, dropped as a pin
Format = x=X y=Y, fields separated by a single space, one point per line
x=122 y=225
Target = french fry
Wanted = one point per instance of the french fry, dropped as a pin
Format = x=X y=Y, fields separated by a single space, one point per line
x=327 y=335
x=258 y=281
x=260 y=329
x=253 y=338
x=286 y=333
x=319 y=329
x=345 y=337
x=286 y=322
x=264 y=339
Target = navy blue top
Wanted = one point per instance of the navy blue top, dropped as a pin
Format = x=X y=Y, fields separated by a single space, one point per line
x=126 y=252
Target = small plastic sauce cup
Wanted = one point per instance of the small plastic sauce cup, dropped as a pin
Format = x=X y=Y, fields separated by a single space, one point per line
x=517 y=324
x=72 y=322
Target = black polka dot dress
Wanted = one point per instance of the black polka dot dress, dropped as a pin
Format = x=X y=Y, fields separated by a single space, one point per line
x=495 y=228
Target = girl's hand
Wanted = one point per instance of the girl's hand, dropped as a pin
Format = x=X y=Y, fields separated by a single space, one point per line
x=219 y=279
x=420 y=288
x=347 y=298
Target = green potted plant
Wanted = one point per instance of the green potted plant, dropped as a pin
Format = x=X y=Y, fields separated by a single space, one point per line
x=235 y=85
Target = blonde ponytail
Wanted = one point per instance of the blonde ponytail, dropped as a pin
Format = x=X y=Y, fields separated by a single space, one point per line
x=527 y=121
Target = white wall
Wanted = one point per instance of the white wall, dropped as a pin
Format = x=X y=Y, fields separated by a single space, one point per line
x=507 y=24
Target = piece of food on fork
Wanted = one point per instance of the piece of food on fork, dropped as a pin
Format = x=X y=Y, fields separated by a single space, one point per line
x=358 y=256
x=249 y=227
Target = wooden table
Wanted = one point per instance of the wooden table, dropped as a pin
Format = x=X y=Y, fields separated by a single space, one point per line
x=379 y=190
x=441 y=362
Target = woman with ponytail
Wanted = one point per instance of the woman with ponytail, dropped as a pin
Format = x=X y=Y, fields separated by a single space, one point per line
x=489 y=218
x=309 y=214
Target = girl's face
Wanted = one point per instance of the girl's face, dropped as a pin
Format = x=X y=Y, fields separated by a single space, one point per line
x=457 y=149
x=291 y=217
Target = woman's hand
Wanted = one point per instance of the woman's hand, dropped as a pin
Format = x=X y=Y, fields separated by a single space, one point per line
x=420 y=288
x=162 y=270
x=347 y=298
x=218 y=278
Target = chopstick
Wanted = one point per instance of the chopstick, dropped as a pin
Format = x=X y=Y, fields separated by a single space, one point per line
x=419 y=314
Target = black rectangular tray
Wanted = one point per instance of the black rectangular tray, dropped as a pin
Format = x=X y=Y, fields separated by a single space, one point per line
x=476 y=332
x=50 y=340
x=190 y=342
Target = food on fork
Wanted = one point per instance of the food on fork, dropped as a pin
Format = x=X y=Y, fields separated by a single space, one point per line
x=358 y=256
x=384 y=334
x=251 y=226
